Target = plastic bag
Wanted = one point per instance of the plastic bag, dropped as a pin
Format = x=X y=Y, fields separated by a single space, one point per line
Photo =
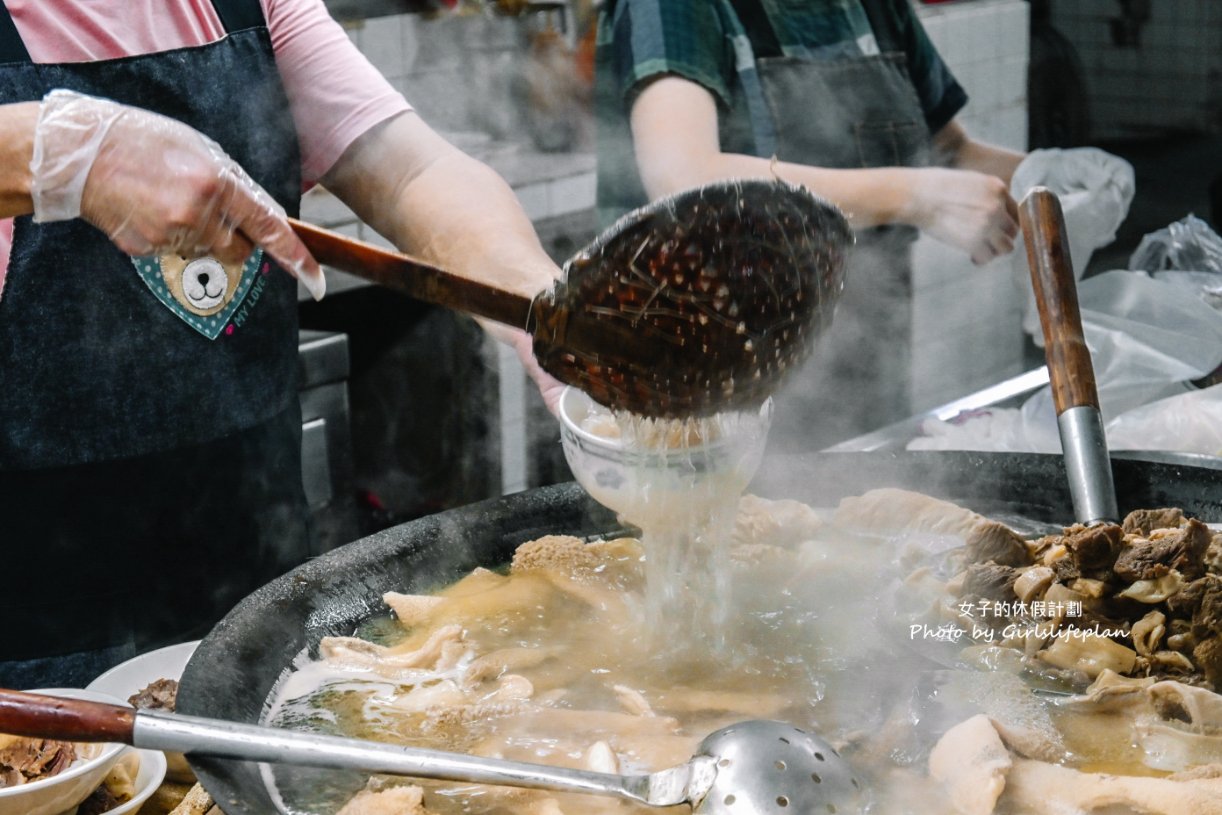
x=1188 y=423
x=1148 y=338
x=1186 y=245
x=1095 y=189
x=1187 y=253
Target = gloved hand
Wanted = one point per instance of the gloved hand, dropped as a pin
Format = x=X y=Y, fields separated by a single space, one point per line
x=966 y=209
x=1095 y=188
x=155 y=186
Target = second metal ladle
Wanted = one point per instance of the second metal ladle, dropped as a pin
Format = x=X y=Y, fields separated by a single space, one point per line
x=750 y=767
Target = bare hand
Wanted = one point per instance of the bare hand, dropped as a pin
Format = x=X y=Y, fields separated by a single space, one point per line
x=973 y=211
x=549 y=387
x=155 y=186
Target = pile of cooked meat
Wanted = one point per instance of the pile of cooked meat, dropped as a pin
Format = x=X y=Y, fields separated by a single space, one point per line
x=24 y=760
x=1142 y=598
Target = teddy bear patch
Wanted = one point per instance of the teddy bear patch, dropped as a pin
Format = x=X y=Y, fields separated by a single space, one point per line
x=203 y=292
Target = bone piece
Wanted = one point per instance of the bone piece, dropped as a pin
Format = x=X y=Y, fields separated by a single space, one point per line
x=971 y=763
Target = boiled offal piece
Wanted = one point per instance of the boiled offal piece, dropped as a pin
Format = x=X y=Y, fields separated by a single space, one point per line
x=729 y=288
x=1140 y=598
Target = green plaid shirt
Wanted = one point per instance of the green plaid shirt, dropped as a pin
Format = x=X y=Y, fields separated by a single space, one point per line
x=706 y=42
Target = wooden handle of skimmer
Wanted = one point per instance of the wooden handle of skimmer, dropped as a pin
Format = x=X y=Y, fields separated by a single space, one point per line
x=412 y=276
x=1069 y=365
x=1079 y=419
x=56 y=717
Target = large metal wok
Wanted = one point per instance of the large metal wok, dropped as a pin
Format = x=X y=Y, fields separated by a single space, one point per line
x=238 y=663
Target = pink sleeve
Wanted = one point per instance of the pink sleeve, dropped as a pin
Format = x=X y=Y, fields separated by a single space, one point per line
x=334 y=92
x=6 y=245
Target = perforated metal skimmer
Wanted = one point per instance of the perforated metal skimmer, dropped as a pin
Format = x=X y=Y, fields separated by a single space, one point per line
x=750 y=768
x=772 y=767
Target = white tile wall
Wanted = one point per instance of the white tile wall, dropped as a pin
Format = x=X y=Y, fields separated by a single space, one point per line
x=986 y=45
x=967 y=323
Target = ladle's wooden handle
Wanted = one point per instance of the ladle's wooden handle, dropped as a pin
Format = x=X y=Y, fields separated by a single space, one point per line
x=57 y=717
x=1079 y=419
x=1069 y=366
x=412 y=276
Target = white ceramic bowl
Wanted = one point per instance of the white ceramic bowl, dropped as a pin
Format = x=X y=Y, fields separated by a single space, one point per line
x=641 y=482
x=148 y=779
x=128 y=678
x=60 y=793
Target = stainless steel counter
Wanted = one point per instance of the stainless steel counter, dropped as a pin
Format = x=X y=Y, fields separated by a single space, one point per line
x=896 y=436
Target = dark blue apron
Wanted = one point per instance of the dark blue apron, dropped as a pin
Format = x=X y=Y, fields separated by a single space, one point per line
x=149 y=428
x=851 y=112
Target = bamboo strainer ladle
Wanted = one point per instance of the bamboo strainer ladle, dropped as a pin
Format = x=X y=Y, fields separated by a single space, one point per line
x=695 y=304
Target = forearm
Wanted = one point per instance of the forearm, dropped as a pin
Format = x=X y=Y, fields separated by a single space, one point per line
x=868 y=197
x=17 y=123
x=953 y=147
x=988 y=158
x=461 y=215
x=433 y=201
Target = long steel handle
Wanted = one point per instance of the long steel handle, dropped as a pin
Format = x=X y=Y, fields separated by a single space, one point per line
x=192 y=735
x=1069 y=364
x=36 y=715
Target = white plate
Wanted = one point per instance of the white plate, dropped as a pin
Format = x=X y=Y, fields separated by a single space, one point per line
x=129 y=677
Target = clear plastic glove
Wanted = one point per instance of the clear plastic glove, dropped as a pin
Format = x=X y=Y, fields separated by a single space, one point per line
x=155 y=186
x=966 y=209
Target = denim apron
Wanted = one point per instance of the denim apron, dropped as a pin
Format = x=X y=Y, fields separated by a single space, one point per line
x=850 y=112
x=149 y=428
